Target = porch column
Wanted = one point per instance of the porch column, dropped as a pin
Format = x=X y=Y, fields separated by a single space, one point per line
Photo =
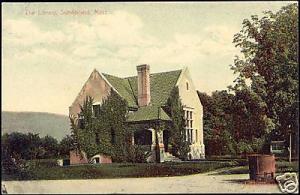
x=132 y=138
x=160 y=144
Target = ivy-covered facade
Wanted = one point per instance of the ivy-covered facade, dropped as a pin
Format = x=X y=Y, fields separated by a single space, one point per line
x=162 y=112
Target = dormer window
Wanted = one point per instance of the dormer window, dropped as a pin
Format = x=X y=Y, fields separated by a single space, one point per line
x=187 y=86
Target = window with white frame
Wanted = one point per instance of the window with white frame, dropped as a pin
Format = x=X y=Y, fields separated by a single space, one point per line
x=188 y=116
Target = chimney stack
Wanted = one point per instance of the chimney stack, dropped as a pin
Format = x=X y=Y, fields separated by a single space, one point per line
x=143 y=84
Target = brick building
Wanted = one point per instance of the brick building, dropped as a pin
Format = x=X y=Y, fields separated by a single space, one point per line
x=146 y=95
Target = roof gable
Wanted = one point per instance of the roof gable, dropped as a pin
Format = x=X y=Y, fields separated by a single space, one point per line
x=123 y=88
x=161 y=85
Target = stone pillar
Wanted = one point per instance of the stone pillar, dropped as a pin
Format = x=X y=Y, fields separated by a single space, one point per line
x=132 y=139
x=160 y=144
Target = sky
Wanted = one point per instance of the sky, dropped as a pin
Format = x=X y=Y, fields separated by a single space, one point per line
x=50 y=49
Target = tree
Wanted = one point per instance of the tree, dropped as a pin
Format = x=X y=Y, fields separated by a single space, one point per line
x=249 y=115
x=178 y=141
x=50 y=145
x=269 y=61
x=218 y=123
x=65 y=145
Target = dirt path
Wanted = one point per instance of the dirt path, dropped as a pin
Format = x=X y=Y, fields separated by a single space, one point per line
x=199 y=183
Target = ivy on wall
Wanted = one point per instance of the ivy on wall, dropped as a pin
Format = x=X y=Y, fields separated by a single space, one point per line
x=174 y=107
x=103 y=130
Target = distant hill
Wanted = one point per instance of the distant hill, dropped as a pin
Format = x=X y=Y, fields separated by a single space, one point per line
x=43 y=123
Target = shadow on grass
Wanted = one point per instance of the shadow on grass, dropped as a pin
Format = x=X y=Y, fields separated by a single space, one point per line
x=237 y=181
x=250 y=182
x=230 y=171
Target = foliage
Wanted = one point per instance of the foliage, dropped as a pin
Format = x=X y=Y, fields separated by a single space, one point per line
x=231 y=118
x=29 y=146
x=65 y=145
x=269 y=61
x=180 y=147
x=263 y=99
x=44 y=169
x=137 y=154
x=104 y=132
x=50 y=146
x=218 y=123
x=17 y=147
x=249 y=115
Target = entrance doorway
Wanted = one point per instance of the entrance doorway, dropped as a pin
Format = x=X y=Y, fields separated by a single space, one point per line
x=166 y=136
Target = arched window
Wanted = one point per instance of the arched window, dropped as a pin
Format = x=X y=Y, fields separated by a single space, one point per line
x=187 y=86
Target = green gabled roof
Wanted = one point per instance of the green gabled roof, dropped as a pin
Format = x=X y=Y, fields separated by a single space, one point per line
x=161 y=85
x=123 y=88
x=148 y=113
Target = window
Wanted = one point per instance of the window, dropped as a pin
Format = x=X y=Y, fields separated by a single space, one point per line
x=96 y=110
x=97 y=139
x=187 y=86
x=80 y=121
x=189 y=125
x=113 y=136
x=188 y=135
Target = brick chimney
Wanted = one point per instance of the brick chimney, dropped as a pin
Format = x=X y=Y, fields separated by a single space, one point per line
x=143 y=84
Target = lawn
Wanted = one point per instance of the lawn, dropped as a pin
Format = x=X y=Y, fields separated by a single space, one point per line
x=281 y=167
x=46 y=169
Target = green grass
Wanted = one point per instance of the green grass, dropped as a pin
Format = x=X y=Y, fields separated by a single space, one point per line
x=42 y=169
x=281 y=167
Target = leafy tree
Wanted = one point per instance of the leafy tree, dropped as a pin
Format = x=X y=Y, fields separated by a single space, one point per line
x=50 y=145
x=218 y=123
x=230 y=118
x=269 y=61
x=178 y=141
x=65 y=145
x=17 y=147
x=249 y=115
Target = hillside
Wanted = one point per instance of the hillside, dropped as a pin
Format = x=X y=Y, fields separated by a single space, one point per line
x=54 y=125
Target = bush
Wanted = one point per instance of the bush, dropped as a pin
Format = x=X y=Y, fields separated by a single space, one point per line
x=138 y=154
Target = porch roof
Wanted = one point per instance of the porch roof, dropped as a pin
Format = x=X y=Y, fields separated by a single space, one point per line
x=148 y=113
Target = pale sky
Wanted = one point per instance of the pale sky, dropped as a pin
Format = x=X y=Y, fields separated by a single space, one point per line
x=48 y=51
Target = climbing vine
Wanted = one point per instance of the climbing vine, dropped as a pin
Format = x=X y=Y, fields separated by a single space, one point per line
x=102 y=129
x=180 y=147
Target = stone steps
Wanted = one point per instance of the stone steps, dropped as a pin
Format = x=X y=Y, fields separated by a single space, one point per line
x=170 y=158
